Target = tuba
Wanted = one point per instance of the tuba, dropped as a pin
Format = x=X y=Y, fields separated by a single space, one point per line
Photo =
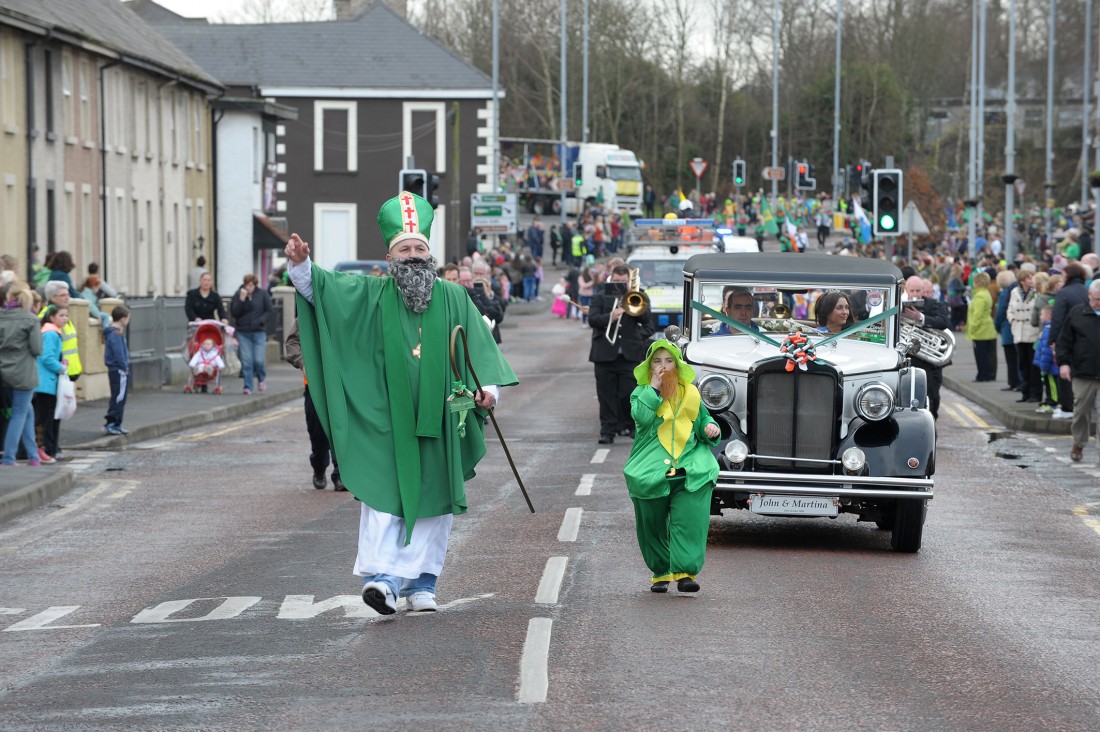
x=634 y=302
x=936 y=346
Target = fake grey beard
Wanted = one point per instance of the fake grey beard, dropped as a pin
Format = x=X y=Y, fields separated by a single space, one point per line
x=414 y=277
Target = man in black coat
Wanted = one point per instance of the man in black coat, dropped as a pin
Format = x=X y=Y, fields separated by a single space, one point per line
x=1078 y=356
x=615 y=362
x=1070 y=296
x=929 y=313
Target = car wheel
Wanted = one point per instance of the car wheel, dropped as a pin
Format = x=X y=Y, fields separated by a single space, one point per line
x=908 y=526
x=538 y=206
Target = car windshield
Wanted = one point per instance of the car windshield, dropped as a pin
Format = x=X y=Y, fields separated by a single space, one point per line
x=654 y=272
x=770 y=309
x=623 y=172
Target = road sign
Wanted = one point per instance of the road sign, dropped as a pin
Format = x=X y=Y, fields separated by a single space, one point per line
x=562 y=184
x=1020 y=186
x=776 y=173
x=518 y=174
x=912 y=222
x=494 y=213
x=698 y=166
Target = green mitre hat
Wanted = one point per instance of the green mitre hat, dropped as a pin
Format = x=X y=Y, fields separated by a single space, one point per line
x=405 y=216
x=642 y=370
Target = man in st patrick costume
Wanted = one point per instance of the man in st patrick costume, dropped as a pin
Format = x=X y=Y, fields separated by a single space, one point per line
x=376 y=351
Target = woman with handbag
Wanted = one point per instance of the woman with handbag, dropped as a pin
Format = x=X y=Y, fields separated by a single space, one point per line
x=20 y=344
x=50 y=368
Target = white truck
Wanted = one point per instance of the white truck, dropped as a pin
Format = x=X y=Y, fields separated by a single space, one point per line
x=659 y=249
x=593 y=172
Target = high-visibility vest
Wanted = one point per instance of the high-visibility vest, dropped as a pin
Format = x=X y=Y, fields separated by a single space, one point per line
x=579 y=247
x=69 y=351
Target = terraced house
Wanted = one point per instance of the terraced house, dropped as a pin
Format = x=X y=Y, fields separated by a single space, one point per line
x=106 y=144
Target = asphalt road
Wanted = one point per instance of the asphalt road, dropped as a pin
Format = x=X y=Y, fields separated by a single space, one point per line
x=199 y=582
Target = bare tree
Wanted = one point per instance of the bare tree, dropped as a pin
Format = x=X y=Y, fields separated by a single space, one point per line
x=277 y=11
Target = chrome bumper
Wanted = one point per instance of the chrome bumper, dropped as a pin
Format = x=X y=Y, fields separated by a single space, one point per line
x=842 y=486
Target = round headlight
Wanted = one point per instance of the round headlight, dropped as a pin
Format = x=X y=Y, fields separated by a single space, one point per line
x=716 y=392
x=853 y=459
x=874 y=402
x=736 y=451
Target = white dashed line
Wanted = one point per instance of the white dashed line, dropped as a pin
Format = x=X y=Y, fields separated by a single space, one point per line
x=600 y=455
x=550 y=584
x=570 y=525
x=584 y=488
x=534 y=676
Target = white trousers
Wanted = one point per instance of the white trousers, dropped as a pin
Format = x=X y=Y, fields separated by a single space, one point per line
x=382 y=547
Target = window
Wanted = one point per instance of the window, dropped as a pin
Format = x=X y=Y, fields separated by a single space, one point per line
x=86 y=220
x=198 y=109
x=86 y=130
x=185 y=116
x=334 y=232
x=8 y=75
x=51 y=218
x=173 y=134
x=49 y=64
x=335 y=137
x=70 y=215
x=69 y=109
x=257 y=156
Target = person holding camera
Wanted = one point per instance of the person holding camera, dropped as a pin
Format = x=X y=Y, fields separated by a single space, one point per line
x=251 y=309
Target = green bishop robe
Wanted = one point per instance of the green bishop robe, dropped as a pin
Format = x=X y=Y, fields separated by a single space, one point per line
x=383 y=408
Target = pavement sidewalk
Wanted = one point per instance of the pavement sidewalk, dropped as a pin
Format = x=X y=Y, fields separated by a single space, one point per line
x=1020 y=416
x=149 y=414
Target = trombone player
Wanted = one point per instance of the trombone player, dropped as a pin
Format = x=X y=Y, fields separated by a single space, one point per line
x=620 y=337
x=926 y=312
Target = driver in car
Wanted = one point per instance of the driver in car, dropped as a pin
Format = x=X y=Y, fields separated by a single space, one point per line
x=740 y=306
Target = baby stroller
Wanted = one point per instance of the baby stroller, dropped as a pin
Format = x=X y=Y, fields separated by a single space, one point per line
x=206 y=363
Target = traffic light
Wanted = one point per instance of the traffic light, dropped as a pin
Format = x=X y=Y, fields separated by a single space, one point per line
x=412 y=180
x=431 y=189
x=855 y=177
x=578 y=174
x=804 y=177
x=739 y=172
x=886 y=202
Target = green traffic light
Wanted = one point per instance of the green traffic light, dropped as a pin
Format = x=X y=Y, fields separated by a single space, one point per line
x=739 y=180
x=887 y=223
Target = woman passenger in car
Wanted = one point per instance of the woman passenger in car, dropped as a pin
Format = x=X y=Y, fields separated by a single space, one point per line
x=833 y=312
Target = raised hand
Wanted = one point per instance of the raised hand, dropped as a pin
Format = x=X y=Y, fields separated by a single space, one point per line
x=297 y=251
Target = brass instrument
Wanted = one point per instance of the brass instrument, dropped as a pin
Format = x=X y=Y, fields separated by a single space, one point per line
x=781 y=311
x=936 y=346
x=634 y=303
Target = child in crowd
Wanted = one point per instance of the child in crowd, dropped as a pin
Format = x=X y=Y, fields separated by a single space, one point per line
x=671 y=471
x=51 y=364
x=207 y=361
x=116 y=356
x=1044 y=359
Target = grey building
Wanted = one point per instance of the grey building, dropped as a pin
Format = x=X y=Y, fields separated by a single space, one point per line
x=370 y=91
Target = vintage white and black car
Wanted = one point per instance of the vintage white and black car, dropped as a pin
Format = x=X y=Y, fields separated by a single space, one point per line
x=814 y=423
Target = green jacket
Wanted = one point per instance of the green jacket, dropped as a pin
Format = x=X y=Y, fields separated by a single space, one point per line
x=979 y=318
x=20 y=344
x=383 y=408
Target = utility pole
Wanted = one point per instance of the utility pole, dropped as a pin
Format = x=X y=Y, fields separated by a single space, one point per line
x=564 y=116
x=1048 y=183
x=496 y=97
x=972 y=185
x=1010 y=138
x=584 y=82
x=775 y=96
x=836 y=105
x=981 y=113
x=1085 y=108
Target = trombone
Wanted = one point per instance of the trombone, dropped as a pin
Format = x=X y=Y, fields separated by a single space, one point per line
x=634 y=303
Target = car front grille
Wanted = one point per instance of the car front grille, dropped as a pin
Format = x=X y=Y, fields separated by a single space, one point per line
x=793 y=417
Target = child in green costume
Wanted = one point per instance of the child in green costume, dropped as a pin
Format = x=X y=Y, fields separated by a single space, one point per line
x=671 y=471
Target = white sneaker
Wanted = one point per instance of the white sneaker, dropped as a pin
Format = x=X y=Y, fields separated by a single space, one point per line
x=420 y=602
x=380 y=598
x=1059 y=414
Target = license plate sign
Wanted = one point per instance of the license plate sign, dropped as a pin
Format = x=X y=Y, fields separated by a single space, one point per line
x=775 y=505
